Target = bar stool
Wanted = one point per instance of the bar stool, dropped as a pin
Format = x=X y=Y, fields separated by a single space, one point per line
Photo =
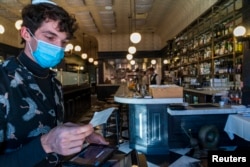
x=112 y=125
x=70 y=109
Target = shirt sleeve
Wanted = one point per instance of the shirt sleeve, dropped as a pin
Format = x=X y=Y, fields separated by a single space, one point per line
x=28 y=155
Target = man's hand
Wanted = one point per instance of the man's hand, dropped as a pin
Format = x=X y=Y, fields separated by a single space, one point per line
x=96 y=138
x=66 y=139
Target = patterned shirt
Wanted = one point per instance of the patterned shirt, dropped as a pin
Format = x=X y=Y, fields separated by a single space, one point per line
x=26 y=113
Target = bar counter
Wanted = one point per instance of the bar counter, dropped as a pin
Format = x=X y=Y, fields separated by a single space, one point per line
x=154 y=128
x=148 y=126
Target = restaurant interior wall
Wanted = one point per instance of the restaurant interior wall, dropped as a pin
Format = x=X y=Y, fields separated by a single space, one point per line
x=119 y=62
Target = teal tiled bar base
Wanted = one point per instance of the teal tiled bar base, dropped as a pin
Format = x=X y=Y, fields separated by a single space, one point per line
x=148 y=128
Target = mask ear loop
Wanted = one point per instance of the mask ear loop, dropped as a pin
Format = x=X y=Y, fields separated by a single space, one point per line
x=31 y=50
x=33 y=36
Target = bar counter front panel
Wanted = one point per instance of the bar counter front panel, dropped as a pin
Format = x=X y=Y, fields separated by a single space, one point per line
x=148 y=128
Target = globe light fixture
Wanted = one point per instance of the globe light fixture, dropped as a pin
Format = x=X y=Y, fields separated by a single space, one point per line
x=84 y=56
x=129 y=56
x=132 y=62
x=68 y=47
x=18 y=24
x=77 y=48
x=81 y=68
x=132 y=50
x=239 y=31
x=165 y=61
x=91 y=60
x=135 y=37
x=95 y=62
x=153 y=61
x=2 y=29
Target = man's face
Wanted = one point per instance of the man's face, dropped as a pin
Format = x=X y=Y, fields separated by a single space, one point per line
x=48 y=32
x=150 y=72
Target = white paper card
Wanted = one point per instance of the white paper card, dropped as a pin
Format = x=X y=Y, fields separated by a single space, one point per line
x=101 y=117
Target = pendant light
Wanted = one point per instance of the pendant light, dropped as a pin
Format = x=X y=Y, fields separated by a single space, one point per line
x=77 y=48
x=129 y=56
x=2 y=29
x=239 y=31
x=18 y=24
x=96 y=62
x=132 y=50
x=132 y=62
x=135 y=37
x=91 y=60
x=69 y=47
x=84 y=54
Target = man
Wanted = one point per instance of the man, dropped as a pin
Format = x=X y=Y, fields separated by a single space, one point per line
x=32 y=132
x=154 y=78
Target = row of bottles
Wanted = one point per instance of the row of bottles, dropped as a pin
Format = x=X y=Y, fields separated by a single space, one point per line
x=223 y=29
x=208 y=48
x=224 y=66
x=235 y=95
x=223 y=47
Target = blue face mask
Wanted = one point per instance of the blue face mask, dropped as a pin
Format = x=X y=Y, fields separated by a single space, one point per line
x=46 y=54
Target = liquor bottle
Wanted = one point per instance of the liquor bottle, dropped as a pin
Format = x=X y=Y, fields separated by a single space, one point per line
x=238 y=67
x=231 y=94
x=238 y=95
x=230 y=46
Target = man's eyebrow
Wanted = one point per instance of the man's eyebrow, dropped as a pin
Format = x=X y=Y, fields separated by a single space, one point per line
x=54 y=34
x=49 y=32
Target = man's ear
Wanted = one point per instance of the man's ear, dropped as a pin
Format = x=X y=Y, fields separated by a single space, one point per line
x=25 y=34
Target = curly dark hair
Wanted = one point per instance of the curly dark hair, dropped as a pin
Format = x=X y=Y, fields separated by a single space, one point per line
x=34 y=15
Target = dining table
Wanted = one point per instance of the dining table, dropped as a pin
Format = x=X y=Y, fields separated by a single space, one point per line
x=238 y=124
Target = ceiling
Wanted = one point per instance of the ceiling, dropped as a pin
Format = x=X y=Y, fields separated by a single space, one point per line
x=165 y=18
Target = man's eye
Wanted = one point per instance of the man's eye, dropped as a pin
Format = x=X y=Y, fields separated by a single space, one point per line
x=50 y=38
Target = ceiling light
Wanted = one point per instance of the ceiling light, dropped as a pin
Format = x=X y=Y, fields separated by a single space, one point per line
x=165 y=61
x=153 y=61
x=135 y=37
x=132 y=62
x=129 y=56
x=95 y=62
x=239 y=31
x=68 y=47
x=132 y=50
x=91 y=60
x=84 y=56
x=81 y=68
x=78 y=48
x=18 y=24
x=2 y=29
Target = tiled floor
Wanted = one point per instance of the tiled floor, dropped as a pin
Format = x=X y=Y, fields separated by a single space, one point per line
x=176 y=157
